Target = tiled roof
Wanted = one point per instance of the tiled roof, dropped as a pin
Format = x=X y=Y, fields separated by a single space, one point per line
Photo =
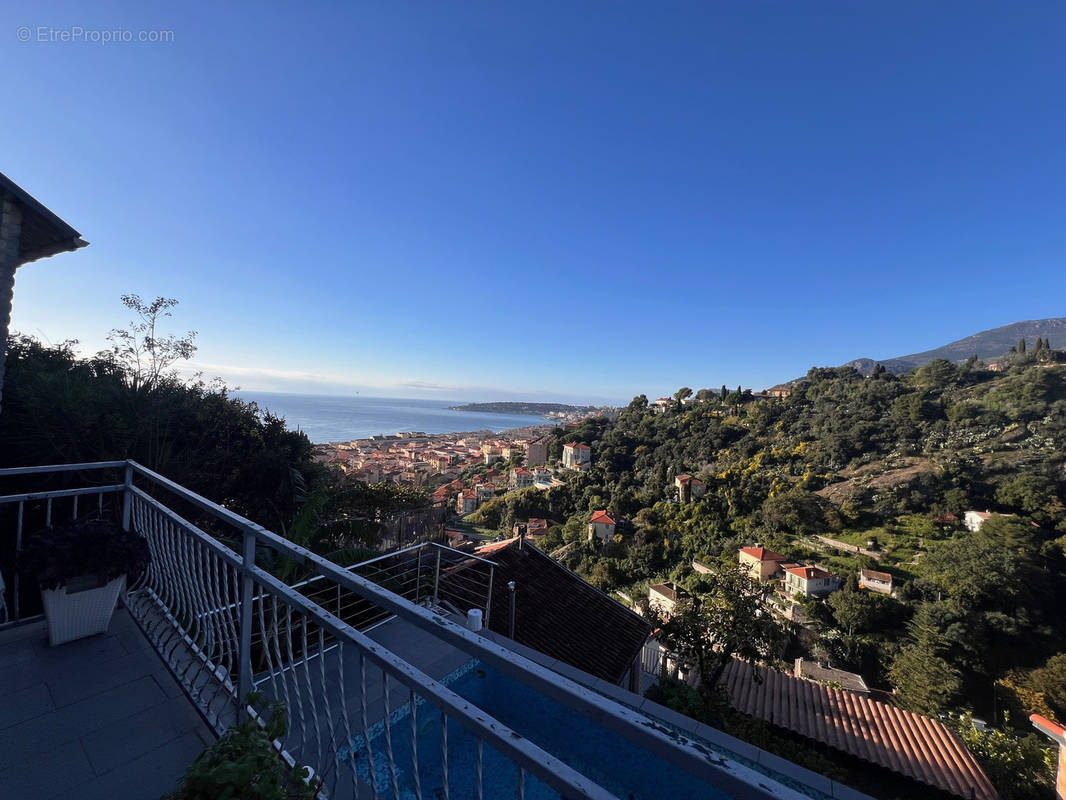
x=918 y=747
x=669 y=590
x=603 y=517
x=762 y=554
x=813 y=671
x=875 y=575
x=808 y=573
x=577 y=446
x=559 y=614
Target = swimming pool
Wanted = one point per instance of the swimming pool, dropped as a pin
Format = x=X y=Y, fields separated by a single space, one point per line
x=628 y=771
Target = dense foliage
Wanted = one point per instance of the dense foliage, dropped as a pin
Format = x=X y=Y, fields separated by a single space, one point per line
x=244 y=765
x=88 y=546
x=59 y=408
x=886 y=463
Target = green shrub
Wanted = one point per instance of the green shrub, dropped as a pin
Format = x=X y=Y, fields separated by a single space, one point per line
x=244 y=765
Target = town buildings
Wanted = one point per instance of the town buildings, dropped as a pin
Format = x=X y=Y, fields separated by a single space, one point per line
x=537 y=451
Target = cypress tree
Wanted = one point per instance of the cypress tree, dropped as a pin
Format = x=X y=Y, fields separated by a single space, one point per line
x=1021 y=346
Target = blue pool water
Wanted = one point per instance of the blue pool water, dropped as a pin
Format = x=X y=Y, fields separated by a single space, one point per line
x=614 y=763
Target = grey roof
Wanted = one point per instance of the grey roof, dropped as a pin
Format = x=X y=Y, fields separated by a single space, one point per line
x=43 y=233
x=811 y=670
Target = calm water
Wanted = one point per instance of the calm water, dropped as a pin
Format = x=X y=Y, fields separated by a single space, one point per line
x=326 y=418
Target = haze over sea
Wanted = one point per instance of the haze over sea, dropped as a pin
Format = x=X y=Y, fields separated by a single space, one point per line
x=333 y=418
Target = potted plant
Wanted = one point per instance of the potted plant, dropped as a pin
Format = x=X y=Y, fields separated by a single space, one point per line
x=245 y=764
x=81 y=566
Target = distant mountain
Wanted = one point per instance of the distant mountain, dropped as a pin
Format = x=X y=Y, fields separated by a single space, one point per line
x=986 y=345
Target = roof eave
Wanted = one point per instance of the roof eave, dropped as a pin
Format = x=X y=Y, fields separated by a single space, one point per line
x=66 y=246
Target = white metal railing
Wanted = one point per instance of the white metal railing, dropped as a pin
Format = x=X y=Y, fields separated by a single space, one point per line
x=426 y=573
x=227 y=627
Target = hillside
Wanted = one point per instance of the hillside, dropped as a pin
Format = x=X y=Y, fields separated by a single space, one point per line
x=991 y=344
x=886 y=463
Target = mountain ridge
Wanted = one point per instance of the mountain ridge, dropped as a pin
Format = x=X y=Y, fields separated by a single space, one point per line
x=988 y=344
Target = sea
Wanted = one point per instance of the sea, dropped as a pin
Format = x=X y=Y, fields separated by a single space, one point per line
x=330 y=418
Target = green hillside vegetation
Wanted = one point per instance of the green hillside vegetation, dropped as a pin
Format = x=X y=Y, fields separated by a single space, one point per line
x=889 y=460
x=129 y=402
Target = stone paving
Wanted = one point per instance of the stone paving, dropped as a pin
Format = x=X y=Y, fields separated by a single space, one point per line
x=94 y=719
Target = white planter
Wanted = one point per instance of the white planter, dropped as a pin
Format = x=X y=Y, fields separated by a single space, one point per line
x=81 y=608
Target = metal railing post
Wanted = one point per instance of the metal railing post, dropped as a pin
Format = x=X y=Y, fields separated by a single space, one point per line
x=418 y=577
x=244 y=674
x=436 y=581
x=127 y=497
x=488 y=597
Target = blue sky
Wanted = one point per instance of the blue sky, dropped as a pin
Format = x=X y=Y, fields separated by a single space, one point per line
x=565 y=200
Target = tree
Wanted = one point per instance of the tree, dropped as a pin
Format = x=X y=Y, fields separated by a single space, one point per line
x=1018 y=766
x=924 y=679
x=1050 y=680
x=724 y=618
x=144 y=355
x=682 y=394
x=854 y=611
x=704 y=395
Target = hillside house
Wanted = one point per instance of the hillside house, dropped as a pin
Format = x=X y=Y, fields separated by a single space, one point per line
x=973 y=520
x=880 y=582
x=689 y=488
x=602 y=526
x=664 y=597
x=542 y=475
x=466 y=501
x=537 y=527
x=577 y=456
x=779 y=391
x=485 y=492
x=761 y=564
x=537 y=452
x=521 y=478
x=809 y=581
x=662 y=405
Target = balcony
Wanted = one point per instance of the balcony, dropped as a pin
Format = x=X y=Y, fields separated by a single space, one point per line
x=388 y=692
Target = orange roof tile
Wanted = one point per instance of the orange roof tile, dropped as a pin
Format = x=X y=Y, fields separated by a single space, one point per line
x=603 y=517
x=762 y=554
x=808 y=573
x=918 y=747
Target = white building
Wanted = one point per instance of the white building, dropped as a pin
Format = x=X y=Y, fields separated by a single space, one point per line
x=577 y=456
x=809 y=581
x=521 y=478
x=602 y=526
